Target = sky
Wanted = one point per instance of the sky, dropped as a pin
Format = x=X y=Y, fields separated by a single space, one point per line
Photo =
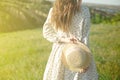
x=108 y=2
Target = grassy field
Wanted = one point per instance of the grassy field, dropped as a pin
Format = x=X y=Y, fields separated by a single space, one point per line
x=23 y=54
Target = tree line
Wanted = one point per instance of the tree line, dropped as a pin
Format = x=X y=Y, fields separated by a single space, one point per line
x=102 y=16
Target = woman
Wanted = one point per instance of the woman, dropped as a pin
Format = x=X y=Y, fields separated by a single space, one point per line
x=68 y=22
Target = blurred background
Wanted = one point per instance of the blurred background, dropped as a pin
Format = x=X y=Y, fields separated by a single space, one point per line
x=24 y=52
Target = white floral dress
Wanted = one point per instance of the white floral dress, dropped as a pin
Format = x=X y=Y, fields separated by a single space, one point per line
x=79 y=27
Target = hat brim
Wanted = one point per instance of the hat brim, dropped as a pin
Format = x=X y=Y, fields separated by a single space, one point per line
x=76 y=69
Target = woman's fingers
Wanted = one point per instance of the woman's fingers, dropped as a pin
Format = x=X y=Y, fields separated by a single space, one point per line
x=83 y=70
x=74 y=40
x=69 y=40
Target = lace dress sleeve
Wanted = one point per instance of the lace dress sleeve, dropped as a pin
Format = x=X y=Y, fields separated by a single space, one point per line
x=48 y=30
x=86 y=27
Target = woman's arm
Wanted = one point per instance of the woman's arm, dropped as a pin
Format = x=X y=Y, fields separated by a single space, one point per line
x=48 y=30
x=50 y=34
x=86 y=28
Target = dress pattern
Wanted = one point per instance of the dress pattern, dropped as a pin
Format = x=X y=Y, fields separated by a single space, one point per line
x=79 y=27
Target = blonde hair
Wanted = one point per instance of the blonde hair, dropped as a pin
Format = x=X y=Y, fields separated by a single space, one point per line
x=63 y=11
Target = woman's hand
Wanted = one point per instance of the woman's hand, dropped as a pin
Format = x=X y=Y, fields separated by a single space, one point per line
x=83 y=70
x=73 y=38
x=69 y=40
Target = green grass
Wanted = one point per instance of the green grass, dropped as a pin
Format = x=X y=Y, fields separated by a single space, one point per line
x=105 y=45
x=23 y=54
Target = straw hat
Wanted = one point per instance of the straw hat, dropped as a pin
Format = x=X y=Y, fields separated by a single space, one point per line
x=76 y=56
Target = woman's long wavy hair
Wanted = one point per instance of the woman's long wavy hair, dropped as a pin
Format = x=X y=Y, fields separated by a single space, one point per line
x=63 y=11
